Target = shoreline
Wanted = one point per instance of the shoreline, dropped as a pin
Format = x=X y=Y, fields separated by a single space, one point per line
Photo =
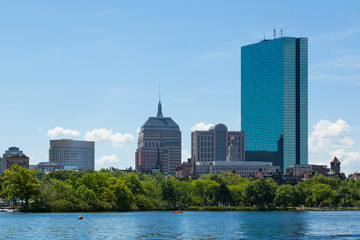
x=202 y=209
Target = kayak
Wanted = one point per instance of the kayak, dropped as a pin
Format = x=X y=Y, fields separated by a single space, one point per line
x=178 y=212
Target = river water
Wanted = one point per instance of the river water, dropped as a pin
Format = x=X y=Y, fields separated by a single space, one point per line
x=188 y=225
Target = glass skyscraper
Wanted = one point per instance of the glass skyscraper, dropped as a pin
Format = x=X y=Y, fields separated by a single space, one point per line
x=274 y=95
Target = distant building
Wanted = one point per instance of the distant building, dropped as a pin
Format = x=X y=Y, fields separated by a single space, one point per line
x=50 y=166
x=159 y=145
x=243 y=168
x=214 y=145
x=184 y=170
x=354 y=176
x=274 y=101
x=73 y=153
x=320 y=169
x=14 y=156
x=53 y=166
x=298 y=170
x=335 y=166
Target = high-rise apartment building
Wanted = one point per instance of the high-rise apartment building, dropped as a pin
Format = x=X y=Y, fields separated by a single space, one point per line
x=13 y=156
x=73 y=153
x=159 y=145
x=274 y=101
x=213 y=145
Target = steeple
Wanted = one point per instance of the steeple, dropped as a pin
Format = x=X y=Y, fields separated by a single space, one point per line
x=159 y=114
x=159 y=110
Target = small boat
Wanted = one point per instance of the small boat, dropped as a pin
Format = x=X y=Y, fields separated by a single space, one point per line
x=178 y=211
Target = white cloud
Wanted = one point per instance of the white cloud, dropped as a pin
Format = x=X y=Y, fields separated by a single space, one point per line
x=185 y=155
x=201 y=126
x=39 y=129
x=107 y=159
x=103 y=134
x=327 y=135
x=59 y=132
x=347 y=159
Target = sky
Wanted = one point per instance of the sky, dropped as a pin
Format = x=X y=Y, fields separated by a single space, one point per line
x=92 y=70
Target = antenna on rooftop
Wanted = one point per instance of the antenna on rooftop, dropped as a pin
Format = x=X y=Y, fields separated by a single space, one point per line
x=159 y=92
x=274 y=33
x=281 y=32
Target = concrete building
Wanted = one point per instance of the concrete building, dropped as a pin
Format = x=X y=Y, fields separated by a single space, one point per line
x=245 y=169
x=159 y=145
x=274 y=101
x=219 y=150
x=14 y=156
x=213 y=145
x=73 y=153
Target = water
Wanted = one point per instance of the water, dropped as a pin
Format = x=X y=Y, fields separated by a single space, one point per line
x=188 y=225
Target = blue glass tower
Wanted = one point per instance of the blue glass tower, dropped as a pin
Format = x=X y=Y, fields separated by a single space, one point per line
x=274 y=95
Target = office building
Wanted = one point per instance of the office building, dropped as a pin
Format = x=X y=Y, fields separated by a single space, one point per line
x=219 y=150
x=14 y=156
x=214 y=145
x=73 y=153
x=242 y=168
x=159 y=145
x=274 y=101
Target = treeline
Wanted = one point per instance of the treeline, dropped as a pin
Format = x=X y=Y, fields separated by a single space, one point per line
x=68 y=191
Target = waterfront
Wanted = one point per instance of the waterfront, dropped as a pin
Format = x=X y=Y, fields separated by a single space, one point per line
x=189 y=225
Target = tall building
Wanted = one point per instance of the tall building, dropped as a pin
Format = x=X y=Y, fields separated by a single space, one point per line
x=159 y=145
x=214 y=145
x=14 y=156
x=274 y=101
x=73 y=153
x=219 y=150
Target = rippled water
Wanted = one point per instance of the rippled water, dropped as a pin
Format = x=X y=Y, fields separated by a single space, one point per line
x=188 y=225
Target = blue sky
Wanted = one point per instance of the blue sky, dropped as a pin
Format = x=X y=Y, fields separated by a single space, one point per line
x=92 y=70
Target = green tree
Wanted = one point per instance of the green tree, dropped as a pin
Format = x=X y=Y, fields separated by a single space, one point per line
x=19 y=183
x=225 y=196
x=321 y=192
x=168 y=192
x=260 y=192
x=123 y=195
x=284 y=195
x=206 y=191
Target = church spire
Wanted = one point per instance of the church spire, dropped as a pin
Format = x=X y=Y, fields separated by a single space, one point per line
x=159 y=114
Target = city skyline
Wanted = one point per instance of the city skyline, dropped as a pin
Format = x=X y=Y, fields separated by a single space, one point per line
x=92 y=71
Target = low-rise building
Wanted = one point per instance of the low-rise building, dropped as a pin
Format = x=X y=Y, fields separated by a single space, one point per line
x=184 y=170
x=14 y=156
x=243 y=168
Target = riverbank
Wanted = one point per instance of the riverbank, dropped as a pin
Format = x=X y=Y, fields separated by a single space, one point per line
x=211 y=208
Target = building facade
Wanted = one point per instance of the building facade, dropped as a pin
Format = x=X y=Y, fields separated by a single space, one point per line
x=14 y=156
x=214 y=145
x=184 y=170
x=73 y=153
x=243 y=168
x=274 y=101
x=159 y=145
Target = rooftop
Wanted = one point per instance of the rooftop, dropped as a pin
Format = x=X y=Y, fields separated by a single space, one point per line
x=160 y=122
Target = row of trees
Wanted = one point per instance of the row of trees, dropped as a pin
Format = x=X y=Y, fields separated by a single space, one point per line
x=117 y=191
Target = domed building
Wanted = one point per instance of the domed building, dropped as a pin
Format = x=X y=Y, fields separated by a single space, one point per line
x=159 y=145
